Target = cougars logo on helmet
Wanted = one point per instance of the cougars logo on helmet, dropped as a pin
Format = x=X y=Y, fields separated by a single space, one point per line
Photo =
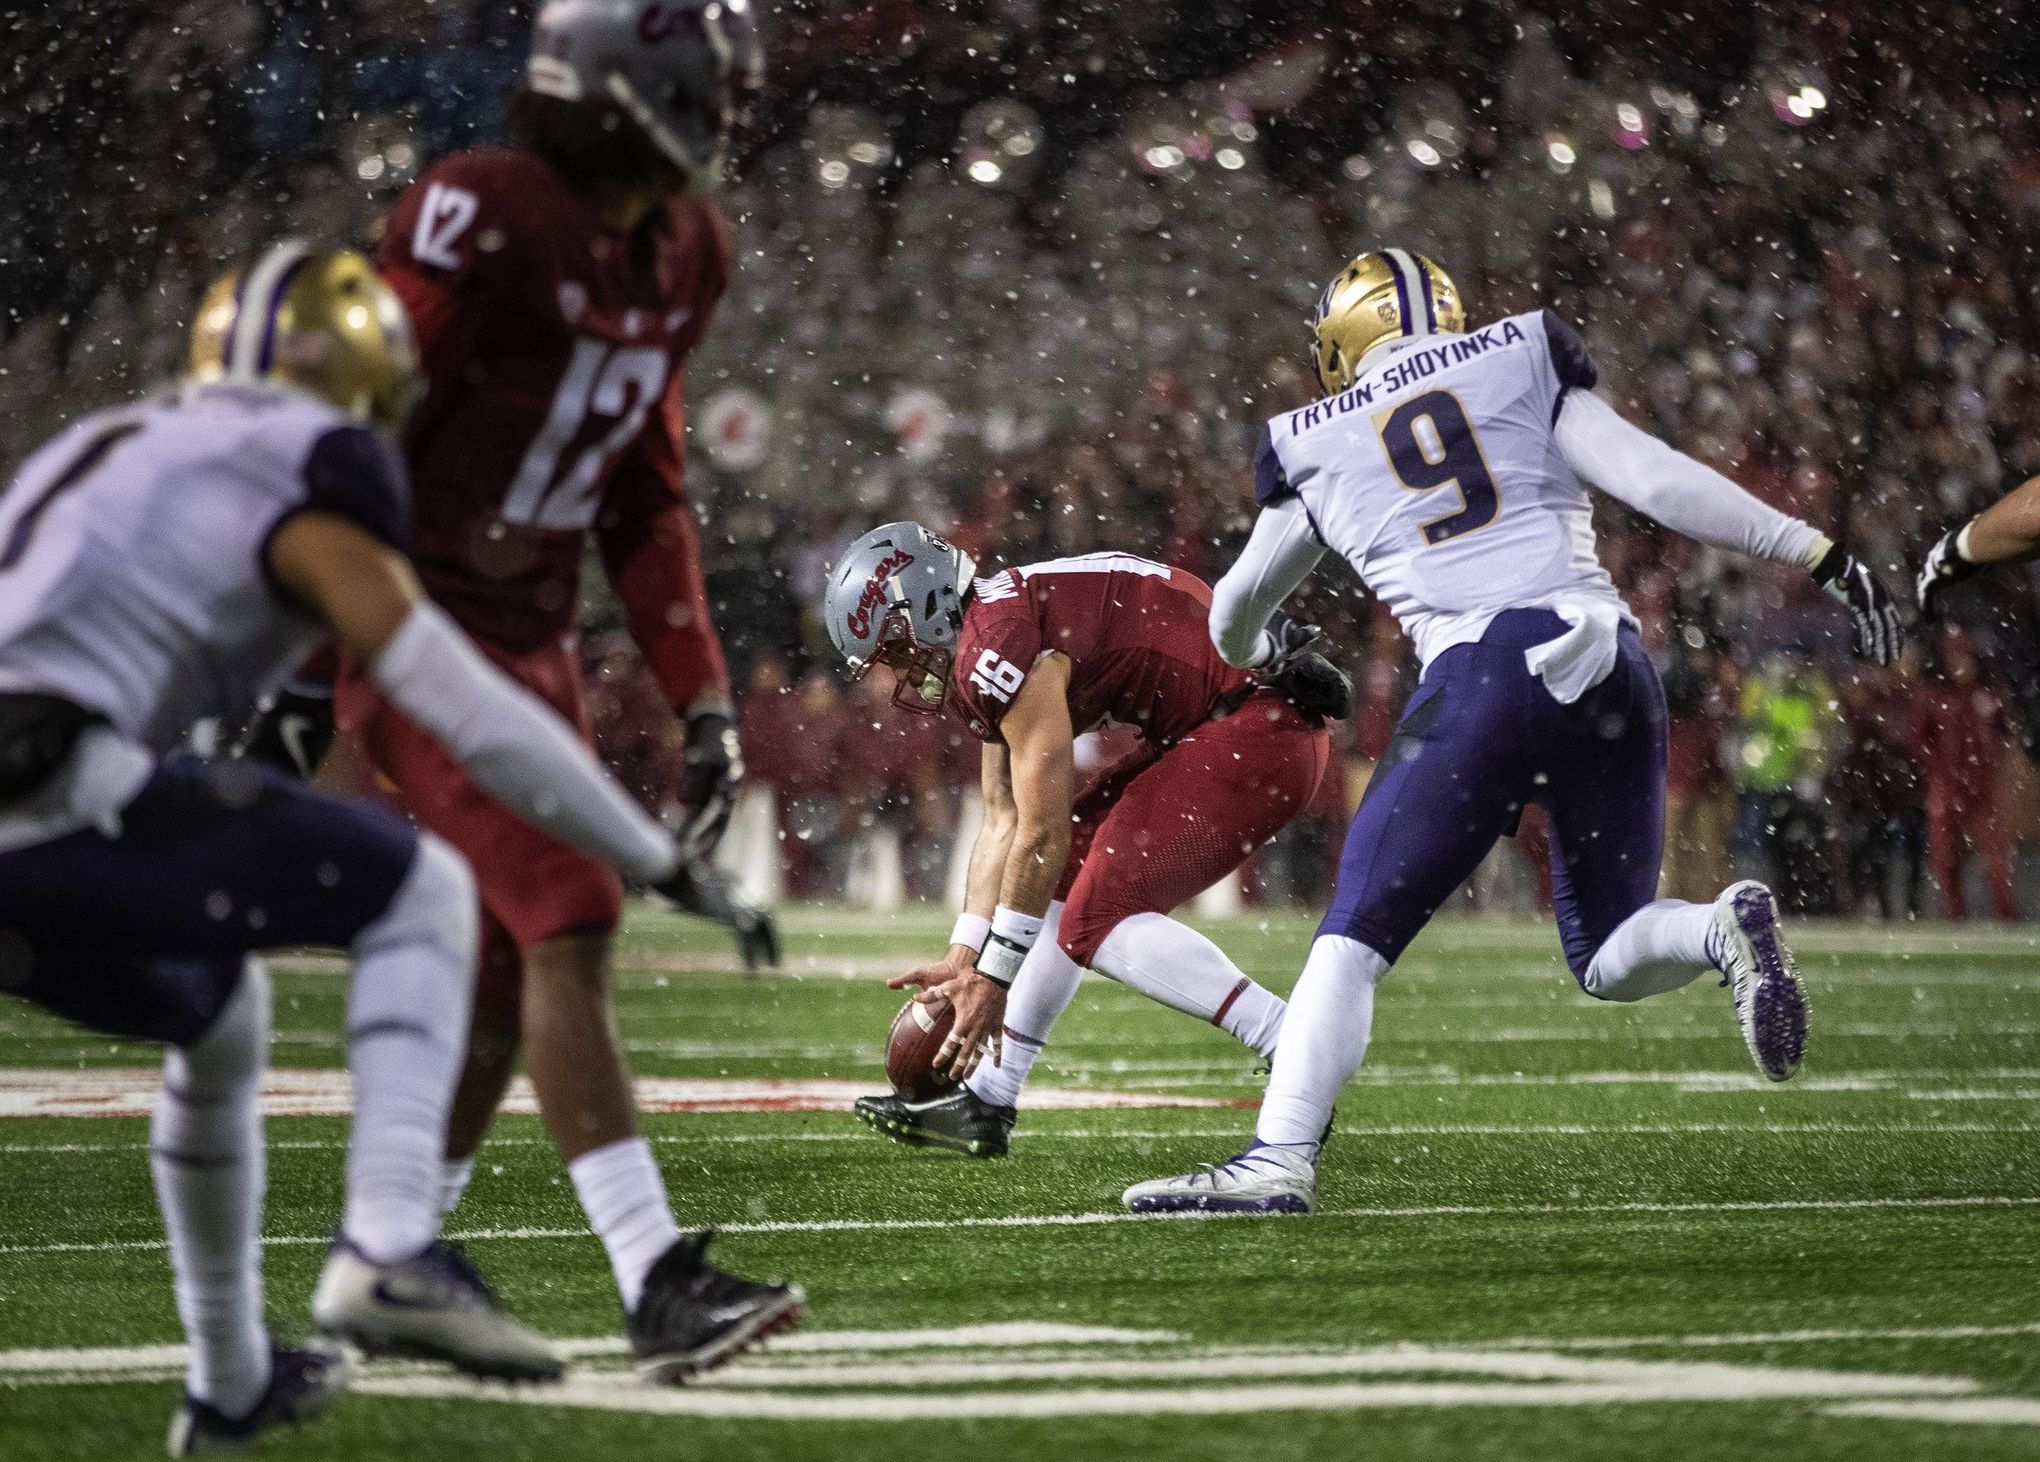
x=874 y=590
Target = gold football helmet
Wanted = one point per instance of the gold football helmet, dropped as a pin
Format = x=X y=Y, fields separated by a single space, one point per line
x=324 y=323
x=1384 y=296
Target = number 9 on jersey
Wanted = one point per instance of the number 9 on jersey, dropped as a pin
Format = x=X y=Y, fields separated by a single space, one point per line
x=1431 y=444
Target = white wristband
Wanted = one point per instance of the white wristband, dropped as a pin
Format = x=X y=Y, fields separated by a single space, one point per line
x=1012 y=935
x=1021 y=929
x=1962 y=543
x=972 y=930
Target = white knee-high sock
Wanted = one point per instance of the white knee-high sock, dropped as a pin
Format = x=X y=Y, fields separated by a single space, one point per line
x=624 y=1196
x=407 y=1024
x=1176 y=965
x=205 y=1149
x=1660 y=947
x=1324 y=1040
x=1042 y=990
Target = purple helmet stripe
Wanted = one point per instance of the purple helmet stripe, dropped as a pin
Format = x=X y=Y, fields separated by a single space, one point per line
x=1424 y=289
x=267 y=356
x=230 y=348
x=1409 y=279
x=1402 y=292
x=250 y=341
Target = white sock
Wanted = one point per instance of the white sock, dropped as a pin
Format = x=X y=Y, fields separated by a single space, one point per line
x=1660 y=947
x=407 y=1024
x=205 y=1149
x=1324 y=1040
x=625 y=1200
x=455 y=1173
x=1042 y=990
x=1254 y=1019
x=1176 y=965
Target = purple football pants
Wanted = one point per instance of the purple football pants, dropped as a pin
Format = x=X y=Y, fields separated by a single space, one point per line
x=1481 y=739
x=143 y=934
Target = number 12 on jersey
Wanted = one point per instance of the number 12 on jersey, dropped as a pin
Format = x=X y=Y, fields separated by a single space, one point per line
x=602 y=382
x=1431 y=444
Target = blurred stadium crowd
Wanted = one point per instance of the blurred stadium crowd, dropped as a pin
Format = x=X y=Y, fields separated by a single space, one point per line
x=1035 y=272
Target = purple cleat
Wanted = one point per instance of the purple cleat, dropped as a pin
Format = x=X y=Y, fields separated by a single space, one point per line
x=1770 y=1003
x=302 y=1383
x=1259 y=1180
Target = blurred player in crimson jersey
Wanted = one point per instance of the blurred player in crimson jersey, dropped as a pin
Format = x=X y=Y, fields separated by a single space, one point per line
x=1061 y=877
x=556 y=286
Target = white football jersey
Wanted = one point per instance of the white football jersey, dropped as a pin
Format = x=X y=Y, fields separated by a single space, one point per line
x=1436 y=476
x=134 y=573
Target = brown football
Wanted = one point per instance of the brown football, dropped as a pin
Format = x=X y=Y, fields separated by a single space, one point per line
x=918 y=1032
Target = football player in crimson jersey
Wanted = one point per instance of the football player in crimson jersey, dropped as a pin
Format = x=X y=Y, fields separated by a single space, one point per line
x=1064 y=877
x=556 y=286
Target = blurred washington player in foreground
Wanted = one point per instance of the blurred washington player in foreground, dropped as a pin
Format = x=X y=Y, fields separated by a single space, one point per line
x=169 y=561
x=1061 y=879
x=1450 y=469
x=557 y=286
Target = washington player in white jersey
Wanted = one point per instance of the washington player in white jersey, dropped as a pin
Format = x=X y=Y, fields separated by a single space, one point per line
x=170 y=561
x=1450 y=468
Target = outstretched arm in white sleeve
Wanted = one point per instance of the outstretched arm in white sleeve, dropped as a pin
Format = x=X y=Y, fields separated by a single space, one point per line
x=517 y=748
x=1691 y=498
x=1279 y=556
x=1685 y=495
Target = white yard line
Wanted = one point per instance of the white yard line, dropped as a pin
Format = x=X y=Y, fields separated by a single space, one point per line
x=1406 y=1032
x=1231 y=1364
x=100 y=1091
x=1975 y=1411
x=1067 y=1370
x=928 y=1388
x=1093 y=1220
x=151 y=1359
x=1686 y=1082
x=1766 y=1337
x=1042 y=1138
x=1058 y=1339
x=1663 y=1382
x=130 y=1091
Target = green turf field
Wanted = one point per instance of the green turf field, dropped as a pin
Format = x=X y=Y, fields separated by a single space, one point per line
x=1550 y=1228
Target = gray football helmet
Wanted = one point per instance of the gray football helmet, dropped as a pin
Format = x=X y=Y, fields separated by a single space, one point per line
x=895 y=598
x=683 y=70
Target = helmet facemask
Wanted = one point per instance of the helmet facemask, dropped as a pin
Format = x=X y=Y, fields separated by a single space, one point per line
x=920 y=672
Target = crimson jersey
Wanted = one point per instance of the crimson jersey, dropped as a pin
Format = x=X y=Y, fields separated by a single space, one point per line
x=553 y=347
x=1136 y=634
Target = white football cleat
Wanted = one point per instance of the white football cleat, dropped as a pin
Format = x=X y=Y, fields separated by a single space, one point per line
x=1770 y=1003
x=1259 y=1180
x=432 y=1306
